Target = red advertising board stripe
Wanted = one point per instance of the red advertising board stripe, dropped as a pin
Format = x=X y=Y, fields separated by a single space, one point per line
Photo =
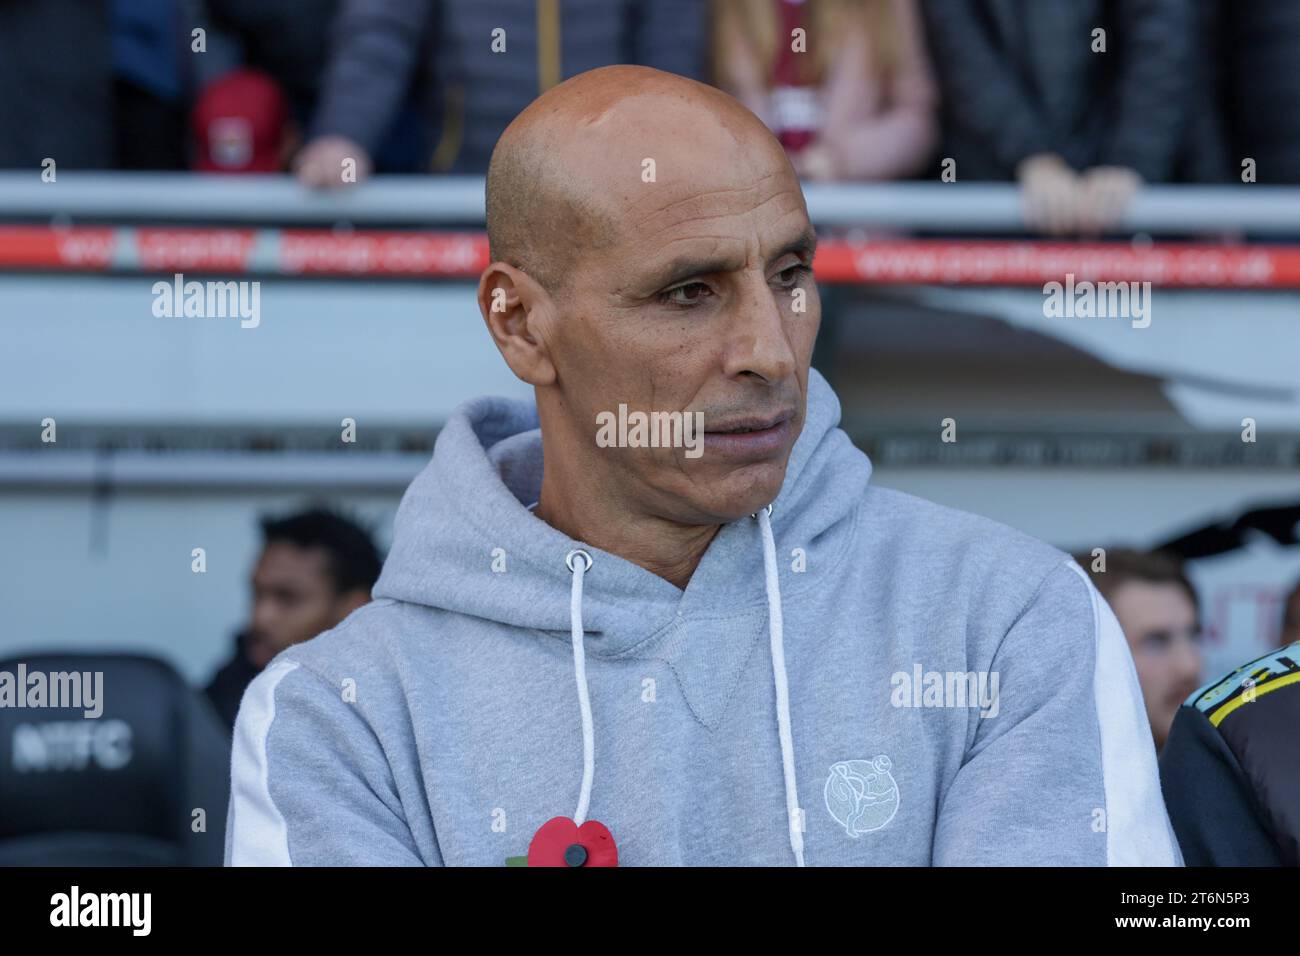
x=373 y=253
x=462 y=255
x=201 y=250
x=965 y=262
x=43 y=247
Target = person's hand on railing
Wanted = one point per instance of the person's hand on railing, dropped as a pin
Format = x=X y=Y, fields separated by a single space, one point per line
x=1051 y=192
x=1107 y=191
x=332 y=162
x=1061 y=202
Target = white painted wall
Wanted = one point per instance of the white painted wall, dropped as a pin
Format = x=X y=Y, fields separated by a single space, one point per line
x=90 y=349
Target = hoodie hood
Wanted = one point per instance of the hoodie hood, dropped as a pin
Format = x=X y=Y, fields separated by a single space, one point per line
x=472 y=499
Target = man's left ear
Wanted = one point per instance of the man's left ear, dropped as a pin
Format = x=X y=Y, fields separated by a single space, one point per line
x=516 y=309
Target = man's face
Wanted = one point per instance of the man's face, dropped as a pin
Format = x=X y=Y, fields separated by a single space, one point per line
x=701 y=301
x=1159 y=621
x=293 y=599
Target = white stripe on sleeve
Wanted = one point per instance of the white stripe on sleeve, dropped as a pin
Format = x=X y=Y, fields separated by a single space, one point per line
x=1138 y=831
x=257 y=835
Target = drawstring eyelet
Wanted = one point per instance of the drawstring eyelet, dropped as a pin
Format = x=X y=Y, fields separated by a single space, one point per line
x=768 y=509
x=568 y=559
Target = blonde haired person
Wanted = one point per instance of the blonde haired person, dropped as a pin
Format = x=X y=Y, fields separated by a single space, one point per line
x=858 y=101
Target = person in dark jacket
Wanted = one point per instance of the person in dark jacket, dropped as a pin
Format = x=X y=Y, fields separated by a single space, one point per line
x=1261 y=44
x=226 y=688
x=1231 y=769
x=288 y=39
x=315 y=569
x=486 y=62
x=1080 y=101
x=56 y=85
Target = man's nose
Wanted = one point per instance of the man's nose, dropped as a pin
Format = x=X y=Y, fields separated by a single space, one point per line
x=263 y=616
x=1188 y=661
x=760 y=344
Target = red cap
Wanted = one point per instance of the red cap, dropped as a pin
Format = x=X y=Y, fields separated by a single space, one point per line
x=239 y=123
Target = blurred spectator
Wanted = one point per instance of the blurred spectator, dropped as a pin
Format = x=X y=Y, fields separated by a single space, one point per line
x=861 y=102
x=288 y=39
x=1203 y=150
x=1157 y=609
x=151 y=82
x=241 y=124
x=315 y=569
x=380 y=47
x=1290 y=618
x=56 y=84
x=375 y=85
x=1262 y=52
x=1027 y=98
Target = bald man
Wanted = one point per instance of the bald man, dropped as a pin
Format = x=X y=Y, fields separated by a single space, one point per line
x=660 y=616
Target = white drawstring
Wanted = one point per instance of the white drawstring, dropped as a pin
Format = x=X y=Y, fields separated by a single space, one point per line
x=775 y=627
x=579 y=568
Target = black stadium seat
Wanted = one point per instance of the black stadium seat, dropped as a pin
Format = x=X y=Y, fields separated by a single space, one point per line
x=120 y=789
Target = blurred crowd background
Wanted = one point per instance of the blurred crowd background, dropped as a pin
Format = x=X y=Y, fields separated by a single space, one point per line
x=1057 y=95
x=1113 y=442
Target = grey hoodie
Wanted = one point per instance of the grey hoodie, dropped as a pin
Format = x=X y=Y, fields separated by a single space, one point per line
x=862 y=678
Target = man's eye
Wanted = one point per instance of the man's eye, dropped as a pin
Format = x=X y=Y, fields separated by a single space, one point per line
x=1156 y=640
x=677 y=296
x=792 y=275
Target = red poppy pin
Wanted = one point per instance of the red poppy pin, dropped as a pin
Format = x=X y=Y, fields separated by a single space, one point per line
x=561 y=842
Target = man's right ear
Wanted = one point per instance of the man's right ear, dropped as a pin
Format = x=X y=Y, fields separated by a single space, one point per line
x=518 y=311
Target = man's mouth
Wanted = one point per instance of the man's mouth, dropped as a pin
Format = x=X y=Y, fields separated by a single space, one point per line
x=749 y=437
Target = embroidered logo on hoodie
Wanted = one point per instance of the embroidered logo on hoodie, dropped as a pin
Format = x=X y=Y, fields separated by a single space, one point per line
x=862 y=795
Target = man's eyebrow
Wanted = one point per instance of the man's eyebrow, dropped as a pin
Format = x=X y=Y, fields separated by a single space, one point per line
x=805 y=245
x=688 y=266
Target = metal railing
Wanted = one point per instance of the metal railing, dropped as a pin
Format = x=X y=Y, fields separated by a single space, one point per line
x=950 y=208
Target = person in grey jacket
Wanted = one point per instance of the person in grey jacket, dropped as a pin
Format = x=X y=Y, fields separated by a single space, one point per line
x=776 y=661
x=480 y=63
